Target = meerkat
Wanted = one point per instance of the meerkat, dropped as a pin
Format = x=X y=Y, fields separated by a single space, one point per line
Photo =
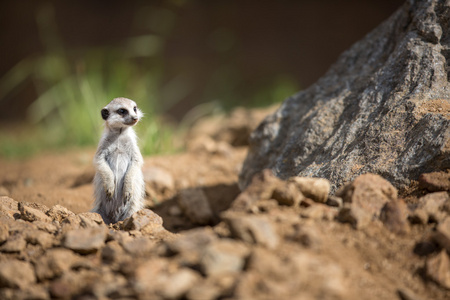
x=119 y=186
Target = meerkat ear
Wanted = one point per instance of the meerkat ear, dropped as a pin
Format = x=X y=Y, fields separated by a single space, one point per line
x=105 y=114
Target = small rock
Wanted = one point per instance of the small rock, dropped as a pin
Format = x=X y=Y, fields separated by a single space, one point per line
x=32 y=214
x=261 y=188
x=319 y=212
x=438 y=269
x=316 y=189
x=6 y=214
x=36 y=205
x=287 y=193
x=434 y=204
x=9 y=208
x=70 y=223
x=406 y=294
x=90 y=219
x=38 y=237
x=29 y=292
x=85 y=240
x=71 y=283
x=357 y=217
x=9 y=203
x=179 y=283
x=59 y=213
x=369 y=187
x=223 y=256
x=418 y=216
x=139 y=246
x=205 y=291
x=159 y=179
x=195 y=206
x=192 y=240
x=112 y=252
x=3 y=191
x=442 y=235
x=268 y=264
x=54 y=263
x=307 y=235
x=45 y=226
x=16 y=274
x=364 y=198
x=15 y=243
x=252 y=229
x=145 y=221
x=213 y=287
x=435 y=182
x=150 y=275
x=19 y=226
x=334 y=201
x=394 y=216
x=4 y=232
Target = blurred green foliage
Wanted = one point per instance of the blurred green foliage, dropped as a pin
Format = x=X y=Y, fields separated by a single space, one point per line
x=73 y=85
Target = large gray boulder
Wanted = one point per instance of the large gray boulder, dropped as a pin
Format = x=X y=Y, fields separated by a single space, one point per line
x=383 y=107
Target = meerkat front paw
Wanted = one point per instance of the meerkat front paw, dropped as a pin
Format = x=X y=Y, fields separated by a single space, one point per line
x=127 y=193
x=109 y=190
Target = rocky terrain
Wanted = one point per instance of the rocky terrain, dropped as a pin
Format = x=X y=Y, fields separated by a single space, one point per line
x=200 y=237
x=229 y=220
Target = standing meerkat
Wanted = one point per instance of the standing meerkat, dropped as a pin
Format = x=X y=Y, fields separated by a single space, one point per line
x=119 y=186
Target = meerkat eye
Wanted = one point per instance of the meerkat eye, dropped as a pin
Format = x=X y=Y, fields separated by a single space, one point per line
x=135 y=109
x=122 y=111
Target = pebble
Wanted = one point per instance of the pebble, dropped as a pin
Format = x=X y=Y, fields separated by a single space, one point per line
x=54 y=263
x=15 y=243
x=316 y=189
x=442 y=234
x=90 y=219
x=32 y=214
x=436 y=181
x=38 y=237
x=438 y=269
x=9 y=203
x=260 y=188
x=179 y=283
x=394 y=216
x=252 y=229
x=433 y=204
x=16 y=274
x=364 y=199
x=59 y=213
x=287 y=193
x=195 y=206
x=145 y=221
x=223 y=256
x=4 y=232
x=85 y=240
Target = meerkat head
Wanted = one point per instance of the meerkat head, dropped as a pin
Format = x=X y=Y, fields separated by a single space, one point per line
x=121 y=113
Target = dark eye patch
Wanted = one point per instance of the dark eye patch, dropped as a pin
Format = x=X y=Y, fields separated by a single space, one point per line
x=135 y=109
x=122 y=111
x=105 y=114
